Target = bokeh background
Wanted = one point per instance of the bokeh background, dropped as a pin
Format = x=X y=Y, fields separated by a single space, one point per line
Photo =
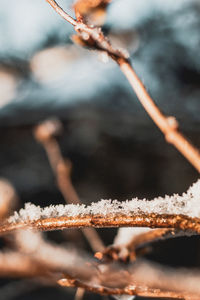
x=116 y=150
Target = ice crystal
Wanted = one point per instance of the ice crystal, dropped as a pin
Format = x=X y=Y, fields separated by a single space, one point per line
x=187 y=204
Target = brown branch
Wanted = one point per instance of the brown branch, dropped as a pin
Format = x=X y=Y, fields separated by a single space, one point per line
x=14 y=264
x=8 y=198
x=188 y=224
x=79 y=293
x=168 y=126
x=129 y=251
x=62 y=13
x=94 y=38
x=142 y=279
x=45 y=133
x=37 y=264
x=142 y=291
x=44 y=259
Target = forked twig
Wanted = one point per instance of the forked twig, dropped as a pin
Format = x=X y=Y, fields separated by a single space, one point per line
x=95 y=39
x=47 y=260
x=129 y=240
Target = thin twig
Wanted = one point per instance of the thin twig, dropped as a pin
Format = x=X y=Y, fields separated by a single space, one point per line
x=15 y=264
x=94 y=37
x=45 y=133
x=62 y=13
x=79 y=293
x=128 y=251
x=168 y=126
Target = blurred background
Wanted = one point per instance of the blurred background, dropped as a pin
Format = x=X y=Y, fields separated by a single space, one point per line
x=115 y=149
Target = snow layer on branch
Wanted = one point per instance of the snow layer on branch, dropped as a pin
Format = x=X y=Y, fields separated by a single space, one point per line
x=187 y=204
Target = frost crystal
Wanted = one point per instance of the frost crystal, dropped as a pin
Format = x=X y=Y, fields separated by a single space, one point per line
x=187 y=204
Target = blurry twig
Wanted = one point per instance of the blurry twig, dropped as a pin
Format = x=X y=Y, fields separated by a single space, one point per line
x=129 y=240
x=8 y=198
x=142 y=291
x=45 y=133
x=15 y=264
x=94 y=38
x=141 y=279
x=79 y=294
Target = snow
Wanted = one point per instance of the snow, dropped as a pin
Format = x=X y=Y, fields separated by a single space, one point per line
x=126 y=234
x=123 y=297
x=186 y=204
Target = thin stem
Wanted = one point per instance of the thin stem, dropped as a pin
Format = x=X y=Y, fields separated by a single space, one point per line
x=142 y=291
x=128 y=251
x=15 y=264
x=62 y=168
x=62 y=13
x=167 y=125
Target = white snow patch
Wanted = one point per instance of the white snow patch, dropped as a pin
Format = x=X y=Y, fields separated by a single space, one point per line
x=187 y=204
x=126 y=234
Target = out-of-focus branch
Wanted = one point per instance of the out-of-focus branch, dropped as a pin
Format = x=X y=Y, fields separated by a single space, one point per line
x=141 y=279
x=45 y=133
x=92 y=12
x=129 y=240
x=14 y=264
x=8 y=198
x=40 y=258
x=142 y=291
x=94 y=38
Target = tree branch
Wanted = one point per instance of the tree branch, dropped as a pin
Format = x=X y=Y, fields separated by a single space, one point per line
x=135 y=238
x=45 y=133
x=142 y=291
x=181 y=222
x=94 y=38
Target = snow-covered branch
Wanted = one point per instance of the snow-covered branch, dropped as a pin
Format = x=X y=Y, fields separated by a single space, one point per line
x=180 y=212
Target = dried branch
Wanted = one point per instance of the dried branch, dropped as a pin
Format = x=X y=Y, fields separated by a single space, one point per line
x=190 y=225
x=129 y=240
x=62 y=13
x=141 y=279
x=168 y=125
x=140 y=290
x=8 y=198
x=45 y=133
x=92 y=36
x=95 y=39
x=14 y=264
x=45 y=261
x=79 y=293
x=180 y=212
x=40 y=258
